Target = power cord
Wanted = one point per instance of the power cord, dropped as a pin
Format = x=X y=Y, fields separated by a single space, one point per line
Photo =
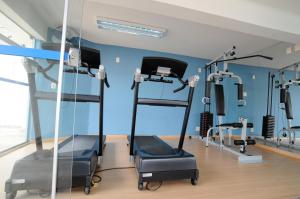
x=97 y=179
x=150 y=186
x=114 y=168
x=153 y=186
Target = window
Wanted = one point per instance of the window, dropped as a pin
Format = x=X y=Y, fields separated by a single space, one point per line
x=14 y=101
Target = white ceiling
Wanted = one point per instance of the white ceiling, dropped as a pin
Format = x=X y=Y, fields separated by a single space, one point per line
x=183 y=37
x=186 y=35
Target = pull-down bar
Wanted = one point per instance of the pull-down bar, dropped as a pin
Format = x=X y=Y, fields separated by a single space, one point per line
x=237 y=58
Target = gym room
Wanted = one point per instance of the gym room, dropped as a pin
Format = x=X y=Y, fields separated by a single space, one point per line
x=149 y=99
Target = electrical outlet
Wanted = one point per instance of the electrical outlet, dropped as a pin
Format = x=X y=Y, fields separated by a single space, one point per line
x=118 y=60
x=199 y=70
x=53 y=85
x=289 y=50
x=245 y=94
x=197 y=129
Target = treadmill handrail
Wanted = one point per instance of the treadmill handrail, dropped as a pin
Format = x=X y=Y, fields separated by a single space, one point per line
x=36 y=95
x=162 y=102
x=67 y=97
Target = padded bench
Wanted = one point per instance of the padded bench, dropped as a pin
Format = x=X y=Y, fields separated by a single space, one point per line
x=235 y=125
x=295 y=127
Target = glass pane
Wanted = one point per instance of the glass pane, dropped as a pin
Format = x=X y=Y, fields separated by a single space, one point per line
x=27 y=171
x=70 y=153
x=15 y=71
x=284 y=54
x=13 y=127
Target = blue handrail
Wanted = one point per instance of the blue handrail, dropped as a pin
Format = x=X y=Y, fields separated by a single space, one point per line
x=31 y=52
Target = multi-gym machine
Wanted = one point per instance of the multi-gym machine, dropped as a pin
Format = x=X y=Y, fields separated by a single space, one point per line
x=285 y=99
x=217 y=77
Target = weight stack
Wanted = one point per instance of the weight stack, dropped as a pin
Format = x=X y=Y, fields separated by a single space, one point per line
x=206 y=121
x=268 y=126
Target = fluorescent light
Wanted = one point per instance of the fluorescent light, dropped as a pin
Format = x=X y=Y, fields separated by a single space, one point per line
x=130 y=28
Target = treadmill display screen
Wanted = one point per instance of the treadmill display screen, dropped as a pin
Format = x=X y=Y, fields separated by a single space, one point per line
x=90 y=56
x=150 y=66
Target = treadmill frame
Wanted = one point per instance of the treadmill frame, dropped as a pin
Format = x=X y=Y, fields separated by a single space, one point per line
x=11 y=186
x=191 y=172
x=159 y=102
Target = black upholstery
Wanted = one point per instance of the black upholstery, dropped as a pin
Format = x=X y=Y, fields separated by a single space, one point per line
x=207 y=88
x=288 y=106
x=283 y=95
x=219 y=93
x=235 y=125
x=240 y=91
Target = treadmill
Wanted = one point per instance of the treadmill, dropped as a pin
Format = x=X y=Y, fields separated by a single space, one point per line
x=154 y=159
x=83 y=152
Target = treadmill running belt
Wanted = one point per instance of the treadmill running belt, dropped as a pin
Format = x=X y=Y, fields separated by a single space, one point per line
x=153 y=145
x=80 y=147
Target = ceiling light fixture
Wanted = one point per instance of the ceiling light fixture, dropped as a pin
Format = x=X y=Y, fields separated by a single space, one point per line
x=130 y=28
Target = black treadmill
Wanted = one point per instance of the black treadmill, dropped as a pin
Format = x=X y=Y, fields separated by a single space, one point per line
x=82 y=152
x=155 y=160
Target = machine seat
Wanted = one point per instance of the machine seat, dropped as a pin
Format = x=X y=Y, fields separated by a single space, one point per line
x=234 y=125
x=295 y=127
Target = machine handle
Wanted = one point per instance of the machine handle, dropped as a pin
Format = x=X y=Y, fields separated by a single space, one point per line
x=283 y=95
x=106 y=81
x=207 y=89
x=133 y=85
x=240 y=91
x=180 y=88
x=137 y=78
x=184 y=83
x=89 y=72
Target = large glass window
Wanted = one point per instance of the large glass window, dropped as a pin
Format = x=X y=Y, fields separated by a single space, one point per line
x=13 y=87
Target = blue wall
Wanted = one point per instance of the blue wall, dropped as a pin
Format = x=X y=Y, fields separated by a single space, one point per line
x=119 y=98
x=153 y=120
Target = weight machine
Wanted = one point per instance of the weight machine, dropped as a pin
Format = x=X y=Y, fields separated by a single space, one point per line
x=285 y=99
x=217 y=77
